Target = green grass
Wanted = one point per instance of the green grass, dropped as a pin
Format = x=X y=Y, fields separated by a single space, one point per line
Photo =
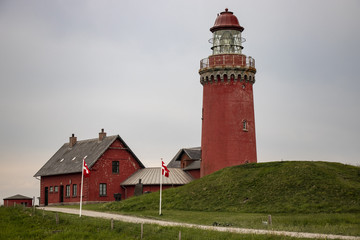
x=21 y=223
x=319 y=197
x=274 y=187
x=326 y=223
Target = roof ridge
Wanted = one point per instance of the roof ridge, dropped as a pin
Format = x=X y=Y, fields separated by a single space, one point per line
x=193 y=148
x=17 y=196
x=93 y=148
x=92 y=139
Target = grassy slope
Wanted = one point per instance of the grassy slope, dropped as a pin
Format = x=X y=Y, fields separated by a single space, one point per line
x=274 y=187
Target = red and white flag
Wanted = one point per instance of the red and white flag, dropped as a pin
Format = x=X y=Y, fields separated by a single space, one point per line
x=164 y=170
x=86 y=169
x=85 y=173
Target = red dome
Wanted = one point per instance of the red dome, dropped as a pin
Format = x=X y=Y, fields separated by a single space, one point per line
x=226 y=20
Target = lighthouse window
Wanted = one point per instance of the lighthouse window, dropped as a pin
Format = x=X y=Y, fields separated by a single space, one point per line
x=245 y=126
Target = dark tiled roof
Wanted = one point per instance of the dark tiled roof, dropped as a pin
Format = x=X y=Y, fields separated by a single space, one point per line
x=17 y=197
x=193 y=153
x=151 y=176
x=69 y=160
x=193 y=166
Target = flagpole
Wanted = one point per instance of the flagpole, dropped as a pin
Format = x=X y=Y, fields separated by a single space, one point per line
x=82 y=184
x=160 y=188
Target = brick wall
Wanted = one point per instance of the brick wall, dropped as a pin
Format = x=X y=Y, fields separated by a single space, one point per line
x=12 y=202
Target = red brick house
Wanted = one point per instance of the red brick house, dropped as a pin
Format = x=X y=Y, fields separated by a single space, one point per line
x=109 y=159
x=189 y=160
x=18 y=200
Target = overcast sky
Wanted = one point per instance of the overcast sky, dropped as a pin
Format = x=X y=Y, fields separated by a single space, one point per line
x=131 y=67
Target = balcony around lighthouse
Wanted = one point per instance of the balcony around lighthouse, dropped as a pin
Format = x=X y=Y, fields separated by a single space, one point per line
x=231 y=60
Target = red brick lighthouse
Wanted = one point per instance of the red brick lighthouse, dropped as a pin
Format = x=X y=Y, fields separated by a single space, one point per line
x=228 y=122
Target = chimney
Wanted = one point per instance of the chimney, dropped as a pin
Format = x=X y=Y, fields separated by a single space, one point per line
x=102 y=135
x=72 y=140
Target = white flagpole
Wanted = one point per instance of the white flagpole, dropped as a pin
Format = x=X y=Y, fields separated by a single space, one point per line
x=82 y=184
x=160 y=188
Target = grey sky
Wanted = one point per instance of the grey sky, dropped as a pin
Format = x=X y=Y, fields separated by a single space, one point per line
x=131 y=67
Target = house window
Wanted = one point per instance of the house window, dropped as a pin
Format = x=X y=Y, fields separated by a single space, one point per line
x=102 y=189
x=74 y=190
x=115 y=167
x=67 y=191
x=51 y=189
x=56 y=189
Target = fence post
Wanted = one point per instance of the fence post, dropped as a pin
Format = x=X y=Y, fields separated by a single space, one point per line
x=269 y=220
x=112 y=224
x=142 y=231
x=57 y=218
x=179 y=235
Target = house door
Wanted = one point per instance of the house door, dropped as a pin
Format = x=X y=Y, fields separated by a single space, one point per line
x=46 y=196
x=61 y=193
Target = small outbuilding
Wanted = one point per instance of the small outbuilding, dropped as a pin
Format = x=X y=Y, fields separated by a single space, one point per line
x=189 y=160
x=18 y=200
x=147 y=180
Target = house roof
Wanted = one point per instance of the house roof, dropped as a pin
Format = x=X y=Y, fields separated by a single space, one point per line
x=193 y=166
x=69 y=159
x=193 y=153
x=18 y=197
x=151 y=176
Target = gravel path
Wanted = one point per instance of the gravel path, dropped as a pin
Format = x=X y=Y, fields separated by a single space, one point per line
x=132 y=219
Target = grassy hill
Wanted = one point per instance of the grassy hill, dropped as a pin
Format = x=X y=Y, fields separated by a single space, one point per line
x=274 y=187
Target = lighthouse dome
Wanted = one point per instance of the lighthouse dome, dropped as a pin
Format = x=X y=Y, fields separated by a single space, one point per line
x=226 y=20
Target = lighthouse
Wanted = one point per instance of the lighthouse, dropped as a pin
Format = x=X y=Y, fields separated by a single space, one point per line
x=228 y=121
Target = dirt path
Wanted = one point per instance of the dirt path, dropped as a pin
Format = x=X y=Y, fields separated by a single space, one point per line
x=132 y=219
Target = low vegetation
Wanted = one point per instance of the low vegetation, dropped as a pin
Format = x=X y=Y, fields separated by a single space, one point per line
x=21 y=223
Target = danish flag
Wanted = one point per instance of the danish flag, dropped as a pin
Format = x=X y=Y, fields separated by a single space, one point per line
x=86 y=169
x=164 y=170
